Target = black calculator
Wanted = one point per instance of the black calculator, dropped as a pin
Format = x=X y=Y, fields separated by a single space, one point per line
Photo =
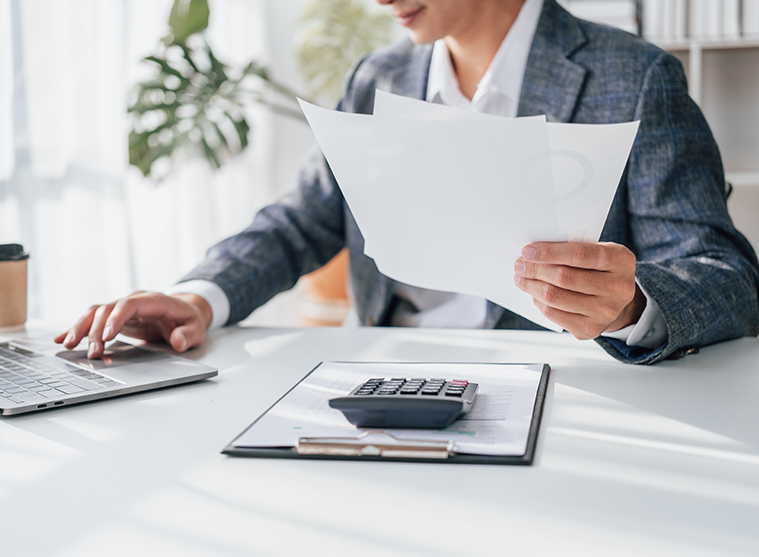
x=407 y=403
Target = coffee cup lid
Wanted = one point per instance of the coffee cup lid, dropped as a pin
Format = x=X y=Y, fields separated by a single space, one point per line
x=12 y=252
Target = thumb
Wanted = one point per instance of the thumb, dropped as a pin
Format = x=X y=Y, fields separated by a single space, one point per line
x=187 y=336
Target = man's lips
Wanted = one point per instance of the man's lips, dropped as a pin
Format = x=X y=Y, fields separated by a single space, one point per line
x=407 y=18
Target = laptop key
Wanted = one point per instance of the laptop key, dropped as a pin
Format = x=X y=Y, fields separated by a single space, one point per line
x=70 y=389
x=50 y=393
x=86 y=385
x=39 y=388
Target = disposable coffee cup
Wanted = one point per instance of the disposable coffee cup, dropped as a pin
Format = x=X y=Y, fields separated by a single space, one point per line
x=13 y=276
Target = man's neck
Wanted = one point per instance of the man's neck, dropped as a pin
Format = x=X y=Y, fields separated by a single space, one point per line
x=473 y=49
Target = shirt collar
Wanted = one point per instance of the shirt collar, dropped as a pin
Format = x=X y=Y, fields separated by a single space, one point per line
x=506 y=71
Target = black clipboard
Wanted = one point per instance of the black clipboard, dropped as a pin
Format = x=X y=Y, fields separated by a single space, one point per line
x=415 y=449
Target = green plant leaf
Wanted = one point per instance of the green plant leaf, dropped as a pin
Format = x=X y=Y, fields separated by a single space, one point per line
x=187 y=18
x=335 y=35
x=188 y=99
x=210 y=154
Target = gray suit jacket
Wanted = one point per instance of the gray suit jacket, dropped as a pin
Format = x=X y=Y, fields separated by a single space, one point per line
x=670 y=208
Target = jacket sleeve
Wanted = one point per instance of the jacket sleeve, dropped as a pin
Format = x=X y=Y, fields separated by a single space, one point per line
x=292 y=237
x=700 y=270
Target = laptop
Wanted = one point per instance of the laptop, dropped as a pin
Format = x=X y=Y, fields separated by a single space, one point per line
x=37 y=375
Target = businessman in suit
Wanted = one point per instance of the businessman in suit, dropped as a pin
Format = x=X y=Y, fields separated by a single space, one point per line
x=670 y=273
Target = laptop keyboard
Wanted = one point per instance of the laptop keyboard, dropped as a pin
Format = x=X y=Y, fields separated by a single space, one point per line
x=29 y=379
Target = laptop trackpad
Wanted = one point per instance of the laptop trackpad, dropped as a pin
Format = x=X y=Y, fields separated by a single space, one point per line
x=115 y=355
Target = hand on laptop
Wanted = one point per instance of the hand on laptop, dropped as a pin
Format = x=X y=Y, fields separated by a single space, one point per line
x=181 y=320
x=586 y=288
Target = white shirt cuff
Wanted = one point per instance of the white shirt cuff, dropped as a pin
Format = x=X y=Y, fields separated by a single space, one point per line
x=211 y=293
x=650 y=331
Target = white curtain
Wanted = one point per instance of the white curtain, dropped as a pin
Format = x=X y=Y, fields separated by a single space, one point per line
x=96 y=229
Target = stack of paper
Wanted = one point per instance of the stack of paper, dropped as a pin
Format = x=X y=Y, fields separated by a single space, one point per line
x=446 y=198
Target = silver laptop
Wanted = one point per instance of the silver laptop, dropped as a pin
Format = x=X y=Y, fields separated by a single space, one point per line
x=38 y=375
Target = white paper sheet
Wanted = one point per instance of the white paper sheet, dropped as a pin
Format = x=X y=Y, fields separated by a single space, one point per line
x=345 y=140
x=446 y=198
x=498 y=424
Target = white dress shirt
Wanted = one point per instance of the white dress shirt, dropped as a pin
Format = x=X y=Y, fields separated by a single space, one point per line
x=497 y=93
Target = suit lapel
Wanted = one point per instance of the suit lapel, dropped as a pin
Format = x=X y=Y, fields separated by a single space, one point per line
x=413 y=80
x=553 y=83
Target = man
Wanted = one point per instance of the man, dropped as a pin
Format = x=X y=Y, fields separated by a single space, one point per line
x=670 y=274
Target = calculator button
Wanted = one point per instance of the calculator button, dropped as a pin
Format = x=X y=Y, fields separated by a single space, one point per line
x=454 y=393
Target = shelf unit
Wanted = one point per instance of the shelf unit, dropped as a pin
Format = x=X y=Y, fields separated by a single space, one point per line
x=695 y=51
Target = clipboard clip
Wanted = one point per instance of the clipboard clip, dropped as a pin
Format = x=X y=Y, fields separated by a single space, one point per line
x=389 y=446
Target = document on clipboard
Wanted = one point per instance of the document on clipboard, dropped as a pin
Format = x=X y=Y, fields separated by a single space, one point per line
x=501 y=428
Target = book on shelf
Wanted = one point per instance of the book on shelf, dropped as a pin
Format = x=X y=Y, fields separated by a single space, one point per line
x=674 y=21
x=731 y=19
x=750 y=18
x=614 y=13
x=705 y=19
x=653 y=20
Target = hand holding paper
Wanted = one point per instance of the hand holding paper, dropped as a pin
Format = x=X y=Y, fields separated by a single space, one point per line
x=446 y=199
x=587 y=288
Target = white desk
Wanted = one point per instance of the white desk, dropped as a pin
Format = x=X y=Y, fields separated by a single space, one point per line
x=631 y=460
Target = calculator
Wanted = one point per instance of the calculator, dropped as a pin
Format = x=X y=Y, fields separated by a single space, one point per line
x=407 y=403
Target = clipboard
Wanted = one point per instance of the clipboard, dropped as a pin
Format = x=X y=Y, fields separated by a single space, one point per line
x=387 y=446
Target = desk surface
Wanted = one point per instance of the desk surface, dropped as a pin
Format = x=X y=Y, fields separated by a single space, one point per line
x=630 y=460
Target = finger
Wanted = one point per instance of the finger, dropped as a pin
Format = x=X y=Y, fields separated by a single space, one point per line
x=584 y=255
x=563 y=276
x=137 y=306
x=555 y=297
x=187 y=336
x=580 y=326
x=95 y=334
x=76 y=333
